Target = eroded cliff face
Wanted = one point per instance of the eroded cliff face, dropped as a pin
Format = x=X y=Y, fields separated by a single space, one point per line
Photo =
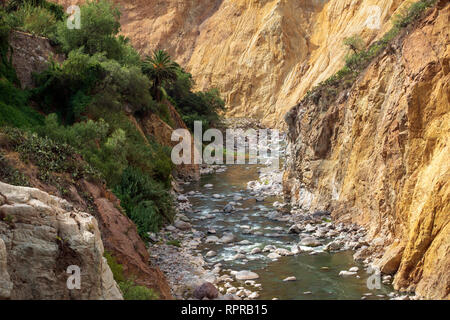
x=40 y=237
x=380 y=157
x=262 y=55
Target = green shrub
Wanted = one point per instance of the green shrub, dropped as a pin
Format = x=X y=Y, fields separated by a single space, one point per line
x=37 y=20
x=116 y=268
x=83 y=80
x=195 y=106
x=99 y=26
x=412 y=13
x=146 y=201
x=99 y=31
x=131 y=291
x=49 y=156
x=14 y=109
x=11 y=175
x=175 y=243
x=355 y=43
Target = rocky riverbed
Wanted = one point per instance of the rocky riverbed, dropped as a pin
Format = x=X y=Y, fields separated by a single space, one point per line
x=234 y=238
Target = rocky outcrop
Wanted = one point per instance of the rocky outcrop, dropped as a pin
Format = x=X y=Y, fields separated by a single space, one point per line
x=118 y=233
x=379 y=157
x=30 y=53
x=262 y=55
x=41 y=236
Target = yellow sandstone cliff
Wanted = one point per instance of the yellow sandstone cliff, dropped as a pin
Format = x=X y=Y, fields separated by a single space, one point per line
x=380 y=156
x=263 y=55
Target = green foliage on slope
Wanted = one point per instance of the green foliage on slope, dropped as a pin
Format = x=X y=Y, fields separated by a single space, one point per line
x=130 y=290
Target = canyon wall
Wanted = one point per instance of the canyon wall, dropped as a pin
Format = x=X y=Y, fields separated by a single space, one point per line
x=263 y=55
x=379 y=156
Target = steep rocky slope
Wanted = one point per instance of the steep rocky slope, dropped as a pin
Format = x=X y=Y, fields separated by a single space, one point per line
x=379 y=156
x=262 y=55
x=40 y=237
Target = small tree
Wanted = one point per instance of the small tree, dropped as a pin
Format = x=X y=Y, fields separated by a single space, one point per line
x=160 y=68
x=99 y=28
x=355 y=43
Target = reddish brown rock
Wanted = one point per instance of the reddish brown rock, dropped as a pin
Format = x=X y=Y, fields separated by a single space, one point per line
x=206 y=290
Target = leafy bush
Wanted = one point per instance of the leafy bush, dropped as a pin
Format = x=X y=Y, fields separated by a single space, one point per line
x=195 y=106
x=130 y=290
x=11 y=175
x=14 y=110
x=33 y=19
x=116 y=268
x=355 y=43
x=99 y=26
x=412 y=13
x=146 y=201
x=49 y=156
x=72 y=87
x=99 y=31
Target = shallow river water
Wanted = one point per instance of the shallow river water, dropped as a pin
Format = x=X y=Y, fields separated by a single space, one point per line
x=317 y=274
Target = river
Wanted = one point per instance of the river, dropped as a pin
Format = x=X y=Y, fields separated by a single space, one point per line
x=316 y=272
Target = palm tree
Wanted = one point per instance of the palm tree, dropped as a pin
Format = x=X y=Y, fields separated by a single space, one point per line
x=160 y=68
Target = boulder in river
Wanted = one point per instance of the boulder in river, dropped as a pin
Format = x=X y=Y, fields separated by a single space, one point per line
x=294 y=229
x=182 y=225
x=290 y=279
x=212 y=239
x=246 y=275
x=206 y=290
x=310 y=242
x=227 y=238
x=211 y=253
x=229 y=208
x=273 y=255
x=182 y=198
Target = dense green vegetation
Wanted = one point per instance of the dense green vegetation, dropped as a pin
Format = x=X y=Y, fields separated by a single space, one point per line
x=130 y=290
x=360 y=57
x=82 y=106
x=195 y=106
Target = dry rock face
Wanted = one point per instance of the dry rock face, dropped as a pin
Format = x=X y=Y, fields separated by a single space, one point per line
x=40 y=237
x=30 y=54
x=262 y=55
x=379 y=157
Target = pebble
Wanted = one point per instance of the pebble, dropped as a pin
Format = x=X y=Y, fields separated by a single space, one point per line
x=273 y=255
x=246 y=275
x=290 y=279
x=211 y=253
